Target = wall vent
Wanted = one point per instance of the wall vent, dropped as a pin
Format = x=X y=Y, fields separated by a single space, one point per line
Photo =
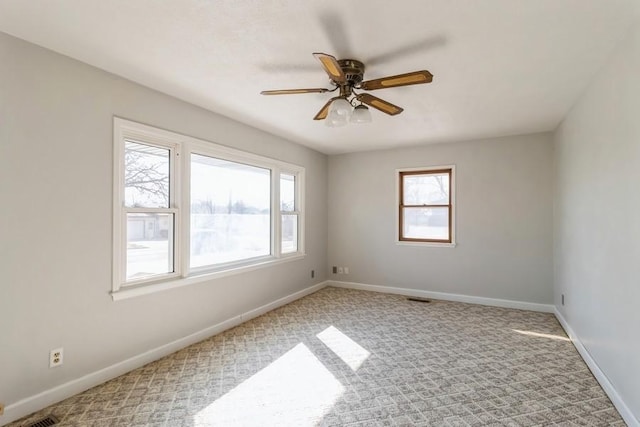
x=418 y=299
x=47 y=421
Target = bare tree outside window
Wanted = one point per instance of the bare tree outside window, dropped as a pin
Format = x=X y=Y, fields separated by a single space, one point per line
x=146 y=176
x=146 y=186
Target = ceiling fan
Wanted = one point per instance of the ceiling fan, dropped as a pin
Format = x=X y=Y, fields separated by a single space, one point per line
x=346 y=75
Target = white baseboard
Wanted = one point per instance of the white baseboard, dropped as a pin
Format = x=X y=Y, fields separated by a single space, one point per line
x=41 y=400
x=545 y=308
x=282 y=301
x=606 y=385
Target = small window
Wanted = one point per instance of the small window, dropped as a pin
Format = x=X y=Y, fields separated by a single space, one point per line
x=289 y=213
x=149 y=210
x=425 y=205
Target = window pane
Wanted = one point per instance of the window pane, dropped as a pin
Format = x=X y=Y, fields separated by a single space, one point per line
x=230 y=211
x=149 y=244
x=289 y=233
x=287 y=192
x=427 y=189
x=146 y=176
x=425 y=223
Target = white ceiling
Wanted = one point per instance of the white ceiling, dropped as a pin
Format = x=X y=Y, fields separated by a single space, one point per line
x=501 y=67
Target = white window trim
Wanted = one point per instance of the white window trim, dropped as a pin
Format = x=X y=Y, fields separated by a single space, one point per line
x=183 y=147
x=452 y=244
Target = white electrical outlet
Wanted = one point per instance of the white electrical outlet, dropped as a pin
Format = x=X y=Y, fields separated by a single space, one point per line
x=56 y=357
x=340 y=270
x=346 y=270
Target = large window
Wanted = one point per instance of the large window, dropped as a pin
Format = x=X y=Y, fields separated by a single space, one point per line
x=230 y=211
x=188 y=210
x=425 y=205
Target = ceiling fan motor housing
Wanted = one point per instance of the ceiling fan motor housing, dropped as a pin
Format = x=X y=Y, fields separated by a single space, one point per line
x=353 y=71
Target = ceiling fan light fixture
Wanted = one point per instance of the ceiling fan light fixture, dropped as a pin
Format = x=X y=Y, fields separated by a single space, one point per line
x=334 y=119
x=341 y=107
x=339 y=113
x=361 y=114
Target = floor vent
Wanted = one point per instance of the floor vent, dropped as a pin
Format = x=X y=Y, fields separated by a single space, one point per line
x=47 y=421
x=418 y=299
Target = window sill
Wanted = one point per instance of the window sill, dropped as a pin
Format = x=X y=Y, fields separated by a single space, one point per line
x=426 y=244
x=145 y=289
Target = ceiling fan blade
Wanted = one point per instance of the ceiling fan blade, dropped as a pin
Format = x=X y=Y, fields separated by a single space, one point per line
x=417 y=46
x=379 y=104
x=293 y=91
x=331 y=66
x=335 y=29
x=415 y=78
x=324 y=111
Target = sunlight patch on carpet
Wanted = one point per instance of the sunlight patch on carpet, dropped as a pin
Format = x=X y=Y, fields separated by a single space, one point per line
x=344 y=347
x=539 y=335
x=296 y=388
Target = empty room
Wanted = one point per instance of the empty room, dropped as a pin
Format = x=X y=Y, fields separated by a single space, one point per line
x=319 y=213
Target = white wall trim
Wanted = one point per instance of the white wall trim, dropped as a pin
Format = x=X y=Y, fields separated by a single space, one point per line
x=41 y=400
x=606 y=385
x=520 y=305
x=251 y=314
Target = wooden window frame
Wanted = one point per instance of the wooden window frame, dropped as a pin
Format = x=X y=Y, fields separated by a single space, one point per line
x=449 y=170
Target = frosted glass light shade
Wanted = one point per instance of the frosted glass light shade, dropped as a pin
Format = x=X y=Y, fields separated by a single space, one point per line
x=341 y=106
x=339 y=113
x=335 y=120
x=361 y=114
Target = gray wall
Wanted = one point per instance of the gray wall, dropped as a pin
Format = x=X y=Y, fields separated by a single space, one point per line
x=597 y=222
x=504 y=220
x=56 y=221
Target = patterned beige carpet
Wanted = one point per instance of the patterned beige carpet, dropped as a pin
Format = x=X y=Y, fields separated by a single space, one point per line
x=346 y=357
